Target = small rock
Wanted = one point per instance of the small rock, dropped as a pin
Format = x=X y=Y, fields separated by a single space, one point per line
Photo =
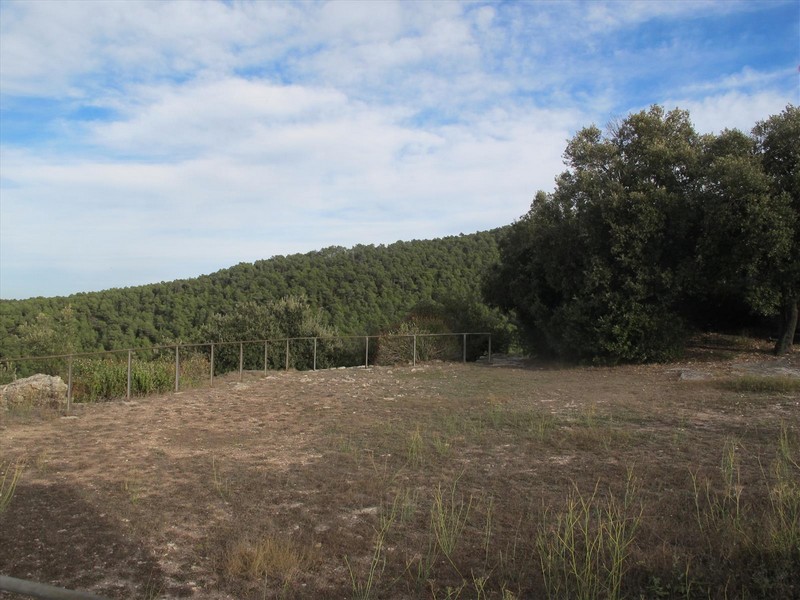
x=370 y=510
x=687 y=375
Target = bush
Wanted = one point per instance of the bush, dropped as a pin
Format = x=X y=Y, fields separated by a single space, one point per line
x=107 y=378
x=397 y=346
x=289 y=317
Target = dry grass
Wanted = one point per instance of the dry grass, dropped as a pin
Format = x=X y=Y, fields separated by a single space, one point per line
x=267 y=557
x=444 y=481
x=762 y=385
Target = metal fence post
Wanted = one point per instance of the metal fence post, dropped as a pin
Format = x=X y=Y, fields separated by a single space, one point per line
x=266 y=358
x=366 y=352
x=464 y=358
x=315 y=354
x=69 y=384
x=490 y=348
x=241 y=359
x=287 y=354
x=211 y=379
x=177 y=368
x=130 y=360
x=414 y=350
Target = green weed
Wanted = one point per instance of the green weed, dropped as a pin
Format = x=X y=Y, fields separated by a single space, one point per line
x=768 y=534
x=405 y=504
x=8 y=373
x=107 y=378
x=133 y=489
x=584 y=549
x=449 y=514
x=415 y=449
x=718 y=511
x=222 y=484
x=784 y=497
x=441 y=444
x=11 y=474
x=363 y=589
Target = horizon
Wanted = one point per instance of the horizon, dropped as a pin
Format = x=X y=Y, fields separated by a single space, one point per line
x=152 y=142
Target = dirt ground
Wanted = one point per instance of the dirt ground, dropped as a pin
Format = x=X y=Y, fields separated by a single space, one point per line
x=148 y=498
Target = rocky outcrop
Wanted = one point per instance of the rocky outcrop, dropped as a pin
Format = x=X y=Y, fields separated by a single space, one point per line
x=37 y=391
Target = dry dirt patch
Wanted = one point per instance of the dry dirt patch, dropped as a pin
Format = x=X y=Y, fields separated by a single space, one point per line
x=151 y=498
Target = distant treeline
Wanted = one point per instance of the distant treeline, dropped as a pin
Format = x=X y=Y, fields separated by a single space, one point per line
x=360 y=290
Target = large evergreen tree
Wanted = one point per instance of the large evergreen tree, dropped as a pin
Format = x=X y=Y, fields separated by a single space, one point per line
x=744 y=232
x=595 y=269
x=649 y=226
x=778 y=143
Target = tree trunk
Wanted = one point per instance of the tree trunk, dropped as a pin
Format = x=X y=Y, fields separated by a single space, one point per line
x=788 y=328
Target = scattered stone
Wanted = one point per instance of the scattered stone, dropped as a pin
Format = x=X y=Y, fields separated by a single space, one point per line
x=685 y=374
x=370 y=510
x=36 y=391
x=689 y=375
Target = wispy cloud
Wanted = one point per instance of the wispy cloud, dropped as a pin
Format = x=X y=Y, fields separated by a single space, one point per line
x=143 y=141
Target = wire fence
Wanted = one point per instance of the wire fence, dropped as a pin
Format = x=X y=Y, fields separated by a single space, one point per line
x=140 y=371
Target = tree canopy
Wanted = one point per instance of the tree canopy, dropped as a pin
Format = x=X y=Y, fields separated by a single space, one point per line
x=362 y=290
x=651 y=224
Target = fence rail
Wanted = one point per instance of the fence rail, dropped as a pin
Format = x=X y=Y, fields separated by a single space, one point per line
x=385 y=351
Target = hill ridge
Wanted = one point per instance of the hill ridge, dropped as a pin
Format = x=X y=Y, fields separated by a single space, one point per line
x=364 y=288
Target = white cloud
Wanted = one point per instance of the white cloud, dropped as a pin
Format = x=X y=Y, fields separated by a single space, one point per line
x=214 y=115
x=245 y=129
x=732 y=110
x=748 y=79
x=278 y=187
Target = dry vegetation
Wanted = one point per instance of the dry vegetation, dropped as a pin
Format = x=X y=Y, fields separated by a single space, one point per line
x=518 y=480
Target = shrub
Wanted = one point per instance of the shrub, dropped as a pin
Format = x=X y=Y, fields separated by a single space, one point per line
x=397 y=346
x=107 y=378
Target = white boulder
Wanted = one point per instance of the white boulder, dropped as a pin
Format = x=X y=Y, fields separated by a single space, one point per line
x=36 y=391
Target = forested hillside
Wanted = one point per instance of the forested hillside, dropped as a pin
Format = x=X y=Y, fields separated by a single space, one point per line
x=365 y=289
x=653 y=232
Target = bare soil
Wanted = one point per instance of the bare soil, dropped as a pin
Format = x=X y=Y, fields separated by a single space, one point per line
x=150 y=498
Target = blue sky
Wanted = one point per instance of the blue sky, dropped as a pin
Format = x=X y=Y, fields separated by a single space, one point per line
x=148 y=141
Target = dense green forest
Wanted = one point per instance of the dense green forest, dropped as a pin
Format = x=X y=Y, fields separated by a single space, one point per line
x=652 y=233
x=655 y=231
x=359 y=290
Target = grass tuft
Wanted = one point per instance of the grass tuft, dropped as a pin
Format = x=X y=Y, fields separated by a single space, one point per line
x=784 y=497
x=416 y=448
x=449 y=514
x=584 y=550
x=267 y=557
x=11 y=474
x=364 y=588
x=760 y=385
x=222 y=485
